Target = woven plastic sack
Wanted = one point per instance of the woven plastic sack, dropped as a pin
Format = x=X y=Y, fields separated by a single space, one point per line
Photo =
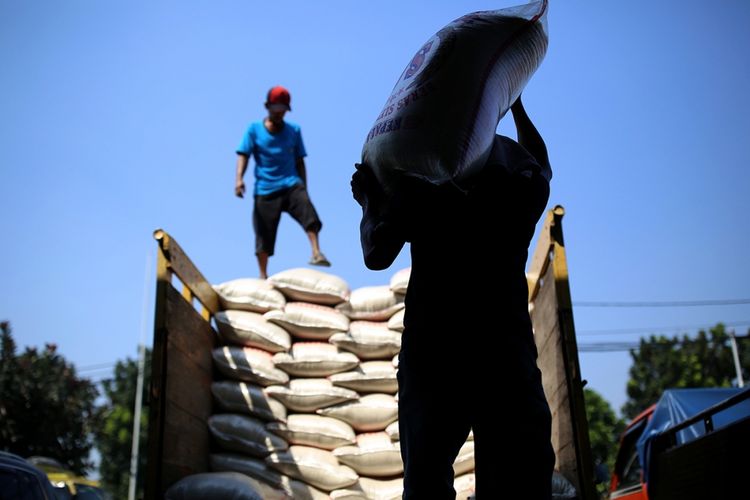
x=214 y=485
x=249 y=294
x=311 y=285
x=316 y=431
x=316 y=467
x=370 y=413
x=439 y=121
x=243 y=434
x=374 y=455
x=307 y=395
x=249 y=365
x=371 y=489
x=250 y=329
x=315 y=359
x=239 y=397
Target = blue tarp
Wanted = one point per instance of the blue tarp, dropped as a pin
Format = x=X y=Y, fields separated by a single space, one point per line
x=678 y=405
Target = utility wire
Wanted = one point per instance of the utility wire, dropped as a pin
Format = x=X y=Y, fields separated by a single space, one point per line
x=668 y=303
x=657 y=329
x=98 y=366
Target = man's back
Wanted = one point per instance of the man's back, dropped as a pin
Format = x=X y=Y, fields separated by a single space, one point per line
x=470 y=247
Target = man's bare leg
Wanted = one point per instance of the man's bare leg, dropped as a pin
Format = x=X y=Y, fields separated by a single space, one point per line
x=262 y=264
x=318 y=259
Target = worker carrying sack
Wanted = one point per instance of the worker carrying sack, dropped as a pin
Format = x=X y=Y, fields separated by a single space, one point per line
x=439 y=122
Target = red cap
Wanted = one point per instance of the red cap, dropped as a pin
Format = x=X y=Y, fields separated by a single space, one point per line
x=279 y=95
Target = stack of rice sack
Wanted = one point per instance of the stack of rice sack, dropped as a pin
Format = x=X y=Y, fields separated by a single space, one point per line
x=306 y=402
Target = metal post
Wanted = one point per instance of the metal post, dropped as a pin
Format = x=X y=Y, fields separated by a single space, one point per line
x=137 y=422
x=736 y=356
x=139 y=389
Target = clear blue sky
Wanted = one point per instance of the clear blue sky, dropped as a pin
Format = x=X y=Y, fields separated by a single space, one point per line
x=122 y=117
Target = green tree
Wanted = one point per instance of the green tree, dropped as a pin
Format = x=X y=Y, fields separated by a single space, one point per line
x=45 y=409
x=680 y=362
x=114 y=436
x=604 y=432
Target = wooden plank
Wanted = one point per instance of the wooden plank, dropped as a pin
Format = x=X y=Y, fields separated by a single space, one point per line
x=186 y=446
x=578 y=419
x=190 y=276
x=180 y=395
x=158 y=381
x=192 y=394
x=540 y=259
x=554 y=334
x=192 y=335
x=544 y=318
x=188 y=391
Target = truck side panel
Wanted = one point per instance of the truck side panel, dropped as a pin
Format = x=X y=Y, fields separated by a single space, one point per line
x=713 y=466
x=554 y=334
x=185 y=401
x=180 y=400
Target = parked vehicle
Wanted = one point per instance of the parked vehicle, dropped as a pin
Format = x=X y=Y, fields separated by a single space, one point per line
x=20 y=480
x=67 y=484
x=691 y=444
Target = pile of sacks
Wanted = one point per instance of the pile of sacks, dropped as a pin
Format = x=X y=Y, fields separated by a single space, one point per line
x=307 y=405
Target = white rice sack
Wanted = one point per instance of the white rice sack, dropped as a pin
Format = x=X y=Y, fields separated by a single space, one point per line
x=239 y=397
x=439 y=122
x=371 y=489
x=309 y=321
x=465 y=460
x=249 y=365
x=465 y=486
x=393 y=432
x=372 y=303
x=313 y=430
x=396 y=322
x=267 y=482
x=371 y=376
x=395 y=361
x=311 y=285
x=244 y=434
x=370 y=413
x=309 y=395
x=214 y=485
x=315 y=359
x=400 y=281
x=253 y=467
x=251 y=329
x=249 y=294
x=369 y=340
x=375 y=455
x=316 y=467
x=297 y=490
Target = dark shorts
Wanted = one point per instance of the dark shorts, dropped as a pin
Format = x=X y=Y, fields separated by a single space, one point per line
x=267 y=213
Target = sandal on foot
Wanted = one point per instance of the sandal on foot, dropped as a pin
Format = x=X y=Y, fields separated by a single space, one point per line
x=319 y=260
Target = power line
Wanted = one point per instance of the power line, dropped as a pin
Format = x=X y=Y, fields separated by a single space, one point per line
x=668 y=303
x=656 y=329
x=608 y=347
x=97 y=366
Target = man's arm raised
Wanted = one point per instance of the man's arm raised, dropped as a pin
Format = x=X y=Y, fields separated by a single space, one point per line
x=529 y=137
x=381 y=238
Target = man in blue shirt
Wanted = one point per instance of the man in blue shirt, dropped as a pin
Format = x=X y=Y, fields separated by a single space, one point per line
x=280 y=179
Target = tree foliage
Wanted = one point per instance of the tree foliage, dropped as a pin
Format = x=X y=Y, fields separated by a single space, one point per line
x=115 y=432
x=604 y=432
x=681 y=362
x=45 y=408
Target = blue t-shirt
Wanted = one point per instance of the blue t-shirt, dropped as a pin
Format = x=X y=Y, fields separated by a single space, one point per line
x=275 y=156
